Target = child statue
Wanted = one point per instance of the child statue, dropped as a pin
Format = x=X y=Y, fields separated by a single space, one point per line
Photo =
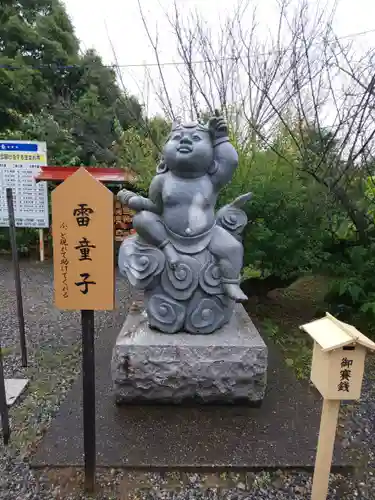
x=181 y=238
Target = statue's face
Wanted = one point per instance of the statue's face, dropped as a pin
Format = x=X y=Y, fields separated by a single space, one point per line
x=189 y=152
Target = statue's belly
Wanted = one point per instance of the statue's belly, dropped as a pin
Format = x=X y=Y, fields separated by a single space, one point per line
x=190 y=220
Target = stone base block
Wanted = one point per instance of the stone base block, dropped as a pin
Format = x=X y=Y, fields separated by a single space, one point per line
x=227 y=366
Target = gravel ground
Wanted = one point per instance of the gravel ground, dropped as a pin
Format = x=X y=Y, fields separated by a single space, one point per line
x=54 y=361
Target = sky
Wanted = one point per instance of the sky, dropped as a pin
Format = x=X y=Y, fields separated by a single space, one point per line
x=120 y=21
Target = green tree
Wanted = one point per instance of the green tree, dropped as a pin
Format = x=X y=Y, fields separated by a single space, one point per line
x=43 y=78
x=37 y=42
x=91 y=108
x=140 y=150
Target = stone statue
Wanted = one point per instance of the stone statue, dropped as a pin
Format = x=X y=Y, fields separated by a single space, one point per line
x=186 y=258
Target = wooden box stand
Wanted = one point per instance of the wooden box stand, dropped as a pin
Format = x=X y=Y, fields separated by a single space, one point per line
x=337 y=372
x=123 y=218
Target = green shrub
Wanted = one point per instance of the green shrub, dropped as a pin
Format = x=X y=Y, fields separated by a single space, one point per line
x=352 y=294
x=287 y=230
x=27 y=239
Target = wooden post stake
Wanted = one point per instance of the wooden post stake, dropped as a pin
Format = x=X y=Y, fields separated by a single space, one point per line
x=324 y=453
x=41 y=245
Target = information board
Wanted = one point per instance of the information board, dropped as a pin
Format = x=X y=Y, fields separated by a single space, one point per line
x=82 y=235
x=20 y=162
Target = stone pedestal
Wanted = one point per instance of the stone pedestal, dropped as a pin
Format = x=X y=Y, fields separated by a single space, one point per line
x=227 y=366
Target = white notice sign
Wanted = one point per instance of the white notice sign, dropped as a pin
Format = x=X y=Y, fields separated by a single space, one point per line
x=20 y=162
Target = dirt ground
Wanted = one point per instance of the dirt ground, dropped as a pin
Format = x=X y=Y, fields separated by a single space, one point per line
x=280 y=313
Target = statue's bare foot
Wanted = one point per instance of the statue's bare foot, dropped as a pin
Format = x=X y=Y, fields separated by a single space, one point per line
x=171 y=255
x=234 y=292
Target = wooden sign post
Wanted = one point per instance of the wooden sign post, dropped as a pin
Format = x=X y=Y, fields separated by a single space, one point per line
x=83 y=256
x=337 y=372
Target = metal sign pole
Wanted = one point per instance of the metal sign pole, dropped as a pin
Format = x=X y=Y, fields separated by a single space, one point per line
x=88 y=370
x=3 y=403
x=17 y=277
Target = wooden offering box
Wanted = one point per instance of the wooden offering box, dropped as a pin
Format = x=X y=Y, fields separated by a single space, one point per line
x=338 y=358
x=123 y=221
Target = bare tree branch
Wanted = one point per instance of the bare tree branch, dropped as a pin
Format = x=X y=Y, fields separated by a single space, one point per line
x=154 y=45
x=298 y=79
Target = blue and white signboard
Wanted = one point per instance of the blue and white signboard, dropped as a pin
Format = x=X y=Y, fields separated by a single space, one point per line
x=20 y=162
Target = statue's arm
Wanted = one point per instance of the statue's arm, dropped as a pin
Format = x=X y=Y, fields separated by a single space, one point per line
x=226 y=161
x=225 y=156
x=155 y=193
x=138 y=203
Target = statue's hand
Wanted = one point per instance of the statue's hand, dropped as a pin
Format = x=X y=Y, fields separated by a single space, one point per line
x=137 y=203
x=132 y=200
x=125 y=196
x=218 y=126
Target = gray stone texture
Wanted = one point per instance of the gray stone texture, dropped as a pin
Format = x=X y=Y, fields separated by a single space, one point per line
x=224 y=367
